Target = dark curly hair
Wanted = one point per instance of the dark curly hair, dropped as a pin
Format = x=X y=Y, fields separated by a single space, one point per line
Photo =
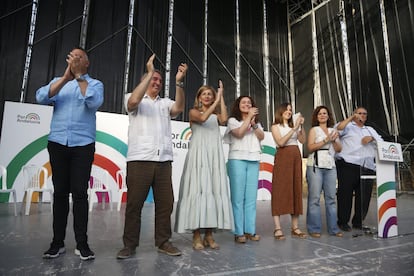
x=235 y=110
x=315 y=122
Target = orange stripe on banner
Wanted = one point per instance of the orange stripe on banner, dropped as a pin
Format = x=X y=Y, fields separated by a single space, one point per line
x=266 y=167
x=385 y=206
x=106 y=164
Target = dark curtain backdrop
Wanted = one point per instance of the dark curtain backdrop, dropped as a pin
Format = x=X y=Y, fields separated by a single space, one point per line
x=367 y=58
x=14 y=26
x=303 y=68
x=278 y=58
x=58 y=29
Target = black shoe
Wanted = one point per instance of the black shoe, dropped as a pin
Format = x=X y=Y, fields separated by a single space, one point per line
x=54 y=251
x=357 y=226
x=345 y=227
x=84 y=252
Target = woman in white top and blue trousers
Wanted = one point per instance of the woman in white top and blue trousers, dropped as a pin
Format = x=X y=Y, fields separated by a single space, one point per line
x=323 y=142
x=243 y=135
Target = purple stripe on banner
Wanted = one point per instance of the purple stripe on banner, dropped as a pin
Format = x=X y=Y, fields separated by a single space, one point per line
x=390 y=222
x=265 y=184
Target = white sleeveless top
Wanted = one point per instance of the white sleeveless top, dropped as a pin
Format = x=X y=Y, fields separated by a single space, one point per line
x=320 y=136
x=284 y=129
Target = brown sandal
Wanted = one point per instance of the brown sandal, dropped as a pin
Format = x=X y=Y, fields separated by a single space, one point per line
x=240 y=239
x=315 y=235
x=197 y=244
x=298 y=234
x=253 y=237
x=280 y=236
x=209 y=241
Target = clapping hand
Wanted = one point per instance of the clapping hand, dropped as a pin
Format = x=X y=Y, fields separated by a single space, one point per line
x=150 y=64
x=181 y=72
x=299 y=121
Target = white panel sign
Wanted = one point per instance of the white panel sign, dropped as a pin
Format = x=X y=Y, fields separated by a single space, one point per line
x=389 y=151
x=24 y=140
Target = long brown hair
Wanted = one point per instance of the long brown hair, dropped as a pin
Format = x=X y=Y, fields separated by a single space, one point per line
x=235 y=110
x=315 y=122
x=279 y=114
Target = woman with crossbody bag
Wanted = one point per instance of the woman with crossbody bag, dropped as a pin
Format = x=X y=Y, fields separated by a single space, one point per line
x=323 y=142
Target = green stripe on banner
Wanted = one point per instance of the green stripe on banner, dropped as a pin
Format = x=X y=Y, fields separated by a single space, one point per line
x=20 y=160
x=185 y=131
x=386 y=187
x=268 y=150
x=112 y=141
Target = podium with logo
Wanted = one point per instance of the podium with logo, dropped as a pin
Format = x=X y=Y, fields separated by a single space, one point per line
x=387 y=154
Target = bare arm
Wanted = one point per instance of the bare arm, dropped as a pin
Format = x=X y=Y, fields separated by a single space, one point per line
x=259 y=133
x=247 y=122
x=332 y=138
x=278 y=138
x=179 y=104
x=222 y=117
x=282 y=140
x=312 y=145
x=139 y=91
x=200 y=117
x=302 y=135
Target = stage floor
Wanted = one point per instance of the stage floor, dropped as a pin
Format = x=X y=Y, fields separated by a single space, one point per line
x=23 y=239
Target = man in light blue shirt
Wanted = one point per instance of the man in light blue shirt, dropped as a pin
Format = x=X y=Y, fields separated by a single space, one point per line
x=356 y=158
x=71 y=145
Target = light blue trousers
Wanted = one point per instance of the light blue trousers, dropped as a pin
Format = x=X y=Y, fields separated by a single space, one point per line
x=243 y=177
x=321 y=180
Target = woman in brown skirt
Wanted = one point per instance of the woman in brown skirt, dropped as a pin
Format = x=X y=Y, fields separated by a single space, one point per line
x=287 y=170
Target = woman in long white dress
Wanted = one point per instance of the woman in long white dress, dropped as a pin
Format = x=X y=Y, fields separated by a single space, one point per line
x=204 y=201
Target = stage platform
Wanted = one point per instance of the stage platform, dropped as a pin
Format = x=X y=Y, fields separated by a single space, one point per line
x=23 y=239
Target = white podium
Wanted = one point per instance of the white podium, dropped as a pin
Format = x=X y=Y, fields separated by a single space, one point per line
x=387 y=154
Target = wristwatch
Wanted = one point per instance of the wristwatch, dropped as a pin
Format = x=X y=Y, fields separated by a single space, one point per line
x=179 y=84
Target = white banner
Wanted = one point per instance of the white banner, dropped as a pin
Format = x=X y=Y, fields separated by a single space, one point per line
x=24 y=140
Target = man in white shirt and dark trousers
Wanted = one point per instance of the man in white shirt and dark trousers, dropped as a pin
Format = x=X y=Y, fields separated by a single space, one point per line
x=149 y=158
x=356 y=158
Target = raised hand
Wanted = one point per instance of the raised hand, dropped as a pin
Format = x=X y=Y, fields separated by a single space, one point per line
x=299 y=121
x=75 y=64
x=333 y=135
x=253 y=111
x=150 y=63
x=220 y=87
x=220 y=91
x=68 y=74
x=181 y=72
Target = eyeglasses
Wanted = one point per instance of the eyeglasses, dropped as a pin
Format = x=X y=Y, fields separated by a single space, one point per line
x=362 y=113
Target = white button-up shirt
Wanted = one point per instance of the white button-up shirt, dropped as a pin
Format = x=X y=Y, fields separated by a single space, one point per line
x=149 y=131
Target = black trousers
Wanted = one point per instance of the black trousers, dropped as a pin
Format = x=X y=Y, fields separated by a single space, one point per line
x=350 y=183
x=71 y=169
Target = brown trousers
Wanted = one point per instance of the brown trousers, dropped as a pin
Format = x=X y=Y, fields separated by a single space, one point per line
x=141 y=175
